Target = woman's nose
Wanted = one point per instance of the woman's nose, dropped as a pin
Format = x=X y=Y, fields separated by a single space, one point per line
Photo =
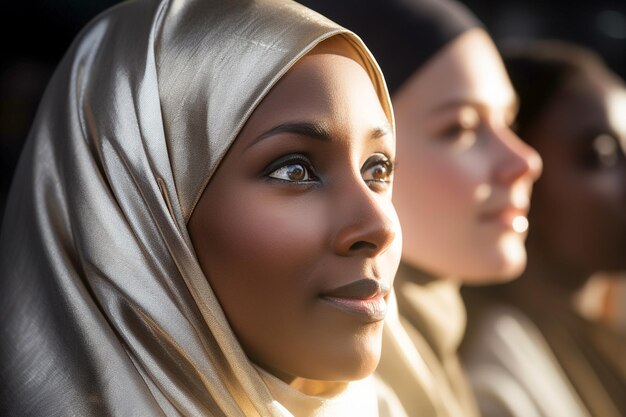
x=367 y=223
x=518 y=159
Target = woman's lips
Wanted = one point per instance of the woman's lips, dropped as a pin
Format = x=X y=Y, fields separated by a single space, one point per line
x=508 y=217
x=364 y=298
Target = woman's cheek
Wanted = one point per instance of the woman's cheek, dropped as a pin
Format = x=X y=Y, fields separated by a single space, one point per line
x=275 y=230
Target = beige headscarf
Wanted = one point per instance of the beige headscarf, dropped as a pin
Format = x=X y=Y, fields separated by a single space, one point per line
x=104 y=307
x=419 y=360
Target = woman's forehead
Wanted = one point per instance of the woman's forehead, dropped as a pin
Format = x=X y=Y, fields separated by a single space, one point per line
x=327 y=90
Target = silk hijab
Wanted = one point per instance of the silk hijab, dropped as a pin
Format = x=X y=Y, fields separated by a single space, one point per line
x=104 y=307
x=420 y=361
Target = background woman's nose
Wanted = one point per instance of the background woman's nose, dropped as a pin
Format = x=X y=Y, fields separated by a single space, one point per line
x=518 y=159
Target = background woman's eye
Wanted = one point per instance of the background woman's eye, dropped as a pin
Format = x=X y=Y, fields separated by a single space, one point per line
x=465 y=123
x=605 y=151
x=457 y=131
x=460 y=137
x=377 y=168
x=295 y=172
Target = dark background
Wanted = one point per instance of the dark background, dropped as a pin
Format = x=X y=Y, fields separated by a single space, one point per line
x=36 y=33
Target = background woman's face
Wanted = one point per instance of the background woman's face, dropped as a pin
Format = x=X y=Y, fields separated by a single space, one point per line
x=579 y=205
x=464 y=178
x=296 y=232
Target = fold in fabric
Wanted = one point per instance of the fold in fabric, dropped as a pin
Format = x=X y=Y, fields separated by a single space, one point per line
x=105 y=309
x=419 y=359
x=578 y=366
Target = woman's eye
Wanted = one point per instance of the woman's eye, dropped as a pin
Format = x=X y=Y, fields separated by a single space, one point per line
x=377 y=169
x=606 y=149
x=460 y=137
x=292 y=171
x=457 y=131
x=605 y=152
x=466 y=121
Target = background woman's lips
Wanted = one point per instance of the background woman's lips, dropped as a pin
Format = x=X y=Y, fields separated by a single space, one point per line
x=509 y=217
x=364 y=298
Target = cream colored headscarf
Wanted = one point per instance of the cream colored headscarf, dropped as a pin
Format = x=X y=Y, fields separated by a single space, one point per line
x=104 y=307
x=419 y=359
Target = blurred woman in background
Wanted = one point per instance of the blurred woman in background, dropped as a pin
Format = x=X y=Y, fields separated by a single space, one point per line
x=530 y=353
x=462 y=185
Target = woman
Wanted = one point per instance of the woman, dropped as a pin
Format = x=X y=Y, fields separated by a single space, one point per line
x=201 y=221
x=572 y=112
x=462 y=186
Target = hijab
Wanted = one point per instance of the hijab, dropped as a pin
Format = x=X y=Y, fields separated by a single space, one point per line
x=419 y=358
x=104 y=306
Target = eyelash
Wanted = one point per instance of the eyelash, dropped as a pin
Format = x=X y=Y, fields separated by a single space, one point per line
x=291 y=160
x=302 y=160
x=375 y=160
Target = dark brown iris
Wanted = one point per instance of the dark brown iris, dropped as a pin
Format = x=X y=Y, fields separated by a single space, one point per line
x=380 y=173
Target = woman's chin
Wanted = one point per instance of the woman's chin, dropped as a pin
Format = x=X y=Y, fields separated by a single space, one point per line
x=501 y=269
x=347 y=362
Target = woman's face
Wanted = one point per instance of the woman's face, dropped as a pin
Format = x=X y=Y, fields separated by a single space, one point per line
x=579 y=206
x=296 y=231
x=464 y=178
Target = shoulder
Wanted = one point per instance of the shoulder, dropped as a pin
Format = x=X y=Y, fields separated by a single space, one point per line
x=512 y=369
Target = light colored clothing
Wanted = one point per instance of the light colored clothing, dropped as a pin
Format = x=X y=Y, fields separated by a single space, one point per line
x=359 y=398
x=419 y=360
x=514 y=372
x=526 y=359
x=104 y=307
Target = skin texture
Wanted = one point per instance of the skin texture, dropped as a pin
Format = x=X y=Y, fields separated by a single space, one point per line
x=579 y=206
x=271 y=246
x=463 y=175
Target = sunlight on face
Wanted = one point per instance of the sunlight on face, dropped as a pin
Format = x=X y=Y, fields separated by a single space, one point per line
x=462 y=189
x=616 y=107
x=296 y=232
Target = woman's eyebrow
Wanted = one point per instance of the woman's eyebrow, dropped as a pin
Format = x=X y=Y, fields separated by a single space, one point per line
x=455 y=103
x=309 y=129
x=315 y=131
x=381 y=131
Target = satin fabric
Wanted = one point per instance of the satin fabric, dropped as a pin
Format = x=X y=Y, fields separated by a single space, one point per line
x=104 y=307
x=357 y=398
x=578 y=366
x=420 y=361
